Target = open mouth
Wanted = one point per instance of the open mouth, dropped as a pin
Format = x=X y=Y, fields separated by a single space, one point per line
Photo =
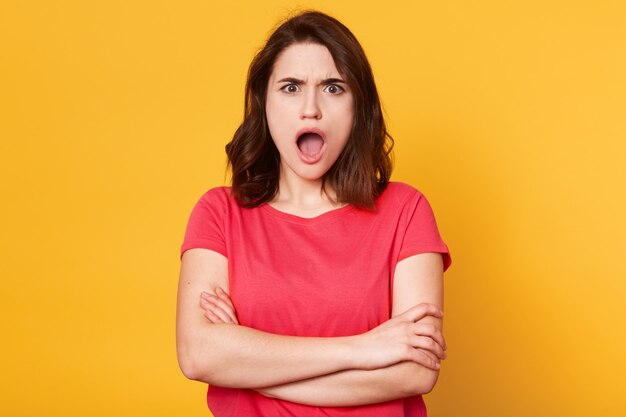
x=310 y=143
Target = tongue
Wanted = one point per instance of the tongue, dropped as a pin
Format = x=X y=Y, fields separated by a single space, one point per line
x=310 y=143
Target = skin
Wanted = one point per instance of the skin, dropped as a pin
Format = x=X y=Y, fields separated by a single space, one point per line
x=419 y=277
x=397 y=359
x=206 y=351
x=306 y=90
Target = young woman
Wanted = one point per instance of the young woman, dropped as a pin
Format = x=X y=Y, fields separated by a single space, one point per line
x=313 y=285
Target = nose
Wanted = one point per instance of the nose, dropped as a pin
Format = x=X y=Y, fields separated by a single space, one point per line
x=310 y=106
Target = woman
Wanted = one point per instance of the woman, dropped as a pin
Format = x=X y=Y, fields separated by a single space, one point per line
x=313 y=285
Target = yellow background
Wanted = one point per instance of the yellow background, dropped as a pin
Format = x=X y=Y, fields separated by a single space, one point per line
x=509 y=116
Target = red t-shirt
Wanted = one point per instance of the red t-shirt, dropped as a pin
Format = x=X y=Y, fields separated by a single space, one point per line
x=326 y=276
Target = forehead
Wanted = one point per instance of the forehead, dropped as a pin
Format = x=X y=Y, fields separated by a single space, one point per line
x=305 y=60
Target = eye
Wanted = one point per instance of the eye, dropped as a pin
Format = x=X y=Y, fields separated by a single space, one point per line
x=290 y=88
x=334 y=89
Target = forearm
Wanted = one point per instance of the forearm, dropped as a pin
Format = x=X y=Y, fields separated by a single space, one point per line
x=221 y=352
x=358 y=387
x=242 y=357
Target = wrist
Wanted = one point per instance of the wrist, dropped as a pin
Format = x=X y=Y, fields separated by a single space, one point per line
x=354 y=353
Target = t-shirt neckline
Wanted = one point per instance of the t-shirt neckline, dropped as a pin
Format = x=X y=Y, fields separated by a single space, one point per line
x=331 y=214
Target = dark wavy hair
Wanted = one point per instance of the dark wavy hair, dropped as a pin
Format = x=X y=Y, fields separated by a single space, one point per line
x=362 y=170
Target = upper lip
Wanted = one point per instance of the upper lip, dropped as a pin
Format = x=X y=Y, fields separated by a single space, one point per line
x=311 y=130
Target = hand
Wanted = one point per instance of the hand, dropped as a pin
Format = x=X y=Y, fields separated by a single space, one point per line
x=403 y=338
x=218 y=308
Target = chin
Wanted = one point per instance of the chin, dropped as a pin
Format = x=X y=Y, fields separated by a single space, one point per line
x=312 y=177
x=312 y=174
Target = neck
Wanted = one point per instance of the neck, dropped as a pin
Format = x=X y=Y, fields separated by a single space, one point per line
x=300 y=192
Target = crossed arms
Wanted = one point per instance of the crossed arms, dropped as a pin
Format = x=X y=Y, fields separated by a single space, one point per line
x=397 y=359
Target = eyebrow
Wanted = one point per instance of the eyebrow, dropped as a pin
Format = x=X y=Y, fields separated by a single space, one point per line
x=296 y=81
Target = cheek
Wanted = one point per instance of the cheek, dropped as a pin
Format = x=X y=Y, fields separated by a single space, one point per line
x=271 y=116
x=279 y=130
x=343 y=112
x=347 y=121
x=277 y=112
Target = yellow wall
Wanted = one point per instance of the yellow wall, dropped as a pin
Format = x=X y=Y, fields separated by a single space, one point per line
x=509 y=116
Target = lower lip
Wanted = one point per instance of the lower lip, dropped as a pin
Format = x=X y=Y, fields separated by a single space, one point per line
x=311 y=158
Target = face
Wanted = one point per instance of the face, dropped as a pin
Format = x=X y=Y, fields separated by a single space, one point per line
x=309 y=110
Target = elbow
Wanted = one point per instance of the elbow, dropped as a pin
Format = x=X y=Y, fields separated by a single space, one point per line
x=428 y=384
x=191 y=367
x=424 y=382
x=187 y=365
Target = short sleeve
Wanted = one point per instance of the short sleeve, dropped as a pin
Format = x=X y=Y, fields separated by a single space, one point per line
x=421 y=233
x=205 y=228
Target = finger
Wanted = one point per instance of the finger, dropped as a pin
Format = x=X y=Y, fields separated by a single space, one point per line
x=439 y=329
x=224 y=307
x=216 y=310
x=421 y=357
x=225 y=297
x=212 y=317
x=431 y=330
x=431 y=356
x=427 y=343
x=422 y=310
x=220 y=303
x=208 y=313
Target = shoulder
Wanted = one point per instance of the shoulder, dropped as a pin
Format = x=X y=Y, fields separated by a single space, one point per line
x=402 y=188
x=216 y=203
x=217 y=197
x=399 y=193
x=217 y=192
